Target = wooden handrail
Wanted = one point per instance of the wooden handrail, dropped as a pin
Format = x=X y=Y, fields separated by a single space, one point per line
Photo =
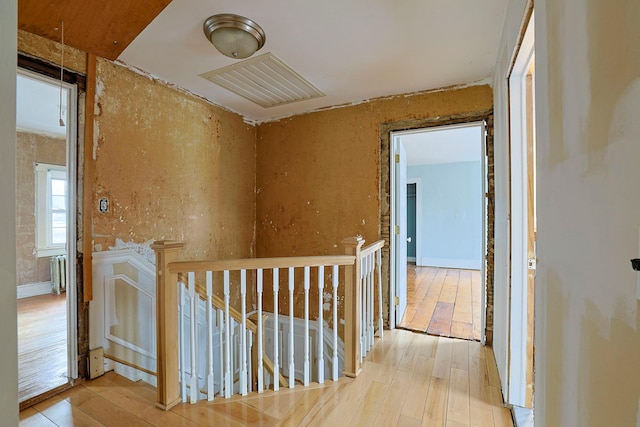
x=372 y=248
x=168 y=270
x=264 y=263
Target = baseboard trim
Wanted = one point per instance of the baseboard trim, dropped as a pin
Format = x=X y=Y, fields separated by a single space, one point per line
x=466 y=264
x=33 y=289
x=132 y=373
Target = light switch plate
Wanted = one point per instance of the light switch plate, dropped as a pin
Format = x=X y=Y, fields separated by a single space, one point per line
x=103 y=205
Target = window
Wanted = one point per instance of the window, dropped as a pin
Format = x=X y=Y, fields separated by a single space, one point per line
x=51 y=209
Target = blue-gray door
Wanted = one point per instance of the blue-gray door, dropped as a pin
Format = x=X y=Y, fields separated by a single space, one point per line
x=411 y=222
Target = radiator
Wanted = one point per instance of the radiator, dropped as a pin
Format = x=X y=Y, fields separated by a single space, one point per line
x=58 y=273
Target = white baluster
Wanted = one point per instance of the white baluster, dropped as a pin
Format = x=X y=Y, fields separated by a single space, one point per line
x=260 y=349
x=232 y=355
x=379 y=268
x=193 y=395
x=305 y=365
x=210 y=320
x=227 y=335
x=243 y=332
x=365 y=281
x=276 y=327
x=292 y=363
x=335 y=323
x=371 y=298
x=250 y=372
x=320 y=344
x=182 y=362
x=221 y=349
x=363 y=308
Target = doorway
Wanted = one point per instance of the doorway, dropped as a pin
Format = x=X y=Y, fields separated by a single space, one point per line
x=441 y=277
x=46 y=123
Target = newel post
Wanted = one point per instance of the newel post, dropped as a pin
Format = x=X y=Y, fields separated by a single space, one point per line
x=167 y=324
x=352 y=296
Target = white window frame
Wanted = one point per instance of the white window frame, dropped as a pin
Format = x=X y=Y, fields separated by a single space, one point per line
x=44 y=174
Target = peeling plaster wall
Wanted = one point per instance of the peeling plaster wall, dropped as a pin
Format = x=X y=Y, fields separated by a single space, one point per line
x=51 y=51
x=587 y=320
x=172 y=167
x=32 y=148
x=318 y=174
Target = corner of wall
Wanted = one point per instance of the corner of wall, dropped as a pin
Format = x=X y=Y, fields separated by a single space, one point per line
x=8 y=315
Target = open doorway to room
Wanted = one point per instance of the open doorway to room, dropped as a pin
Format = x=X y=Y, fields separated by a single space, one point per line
x=46 y=123
x=439 y=193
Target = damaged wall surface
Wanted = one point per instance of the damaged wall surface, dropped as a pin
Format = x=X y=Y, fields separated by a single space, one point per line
x=32 y=148
x=172 y=166
x=318 y=174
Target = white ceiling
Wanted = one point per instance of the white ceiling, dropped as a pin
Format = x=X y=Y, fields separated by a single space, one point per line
x=443 y=145
x=37 y=106
x=351 y=50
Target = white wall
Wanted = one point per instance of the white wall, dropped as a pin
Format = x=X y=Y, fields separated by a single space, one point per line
x=451 y=214
x=588 y=172
x=8 y=317
x=513 y=22
x=587 y=327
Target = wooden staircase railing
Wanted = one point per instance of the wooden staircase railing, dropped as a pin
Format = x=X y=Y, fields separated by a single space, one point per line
x=251 y=321
x=357 y=270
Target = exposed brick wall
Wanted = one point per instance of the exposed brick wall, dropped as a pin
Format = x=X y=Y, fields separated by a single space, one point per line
x=491 y=197
x=83 y=322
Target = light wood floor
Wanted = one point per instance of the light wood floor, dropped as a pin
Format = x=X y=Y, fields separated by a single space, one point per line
x=42 y=344
x=443 y=301
x=408 y=379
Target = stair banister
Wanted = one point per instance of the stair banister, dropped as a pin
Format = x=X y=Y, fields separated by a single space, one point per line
x=167 y=324
x=352 y=314
x=168 y=275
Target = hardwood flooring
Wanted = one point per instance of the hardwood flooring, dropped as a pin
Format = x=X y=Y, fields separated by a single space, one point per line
x=443 y=301
x=42 y=344
x=408 y=379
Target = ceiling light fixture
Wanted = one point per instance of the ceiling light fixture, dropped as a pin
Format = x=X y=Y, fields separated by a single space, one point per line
x=234 y=36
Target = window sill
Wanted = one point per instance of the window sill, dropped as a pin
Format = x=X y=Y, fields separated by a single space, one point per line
x=47 y=252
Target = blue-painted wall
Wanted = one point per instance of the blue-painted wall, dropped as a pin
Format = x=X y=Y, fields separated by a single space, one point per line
x=451 y=214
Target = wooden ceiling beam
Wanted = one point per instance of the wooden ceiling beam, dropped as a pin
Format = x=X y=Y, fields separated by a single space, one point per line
x=102 y=27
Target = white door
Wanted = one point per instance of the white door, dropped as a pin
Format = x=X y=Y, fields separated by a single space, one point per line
x=520 y=381
x=401 y=230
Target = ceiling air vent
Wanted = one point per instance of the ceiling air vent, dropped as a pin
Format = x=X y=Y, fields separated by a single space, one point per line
x=265 y=80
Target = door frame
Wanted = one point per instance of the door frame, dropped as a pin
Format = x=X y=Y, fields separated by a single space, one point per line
x=76 y=84
x=391 y=133
x=71 y=148
x=519 y=333
x=395 y=136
